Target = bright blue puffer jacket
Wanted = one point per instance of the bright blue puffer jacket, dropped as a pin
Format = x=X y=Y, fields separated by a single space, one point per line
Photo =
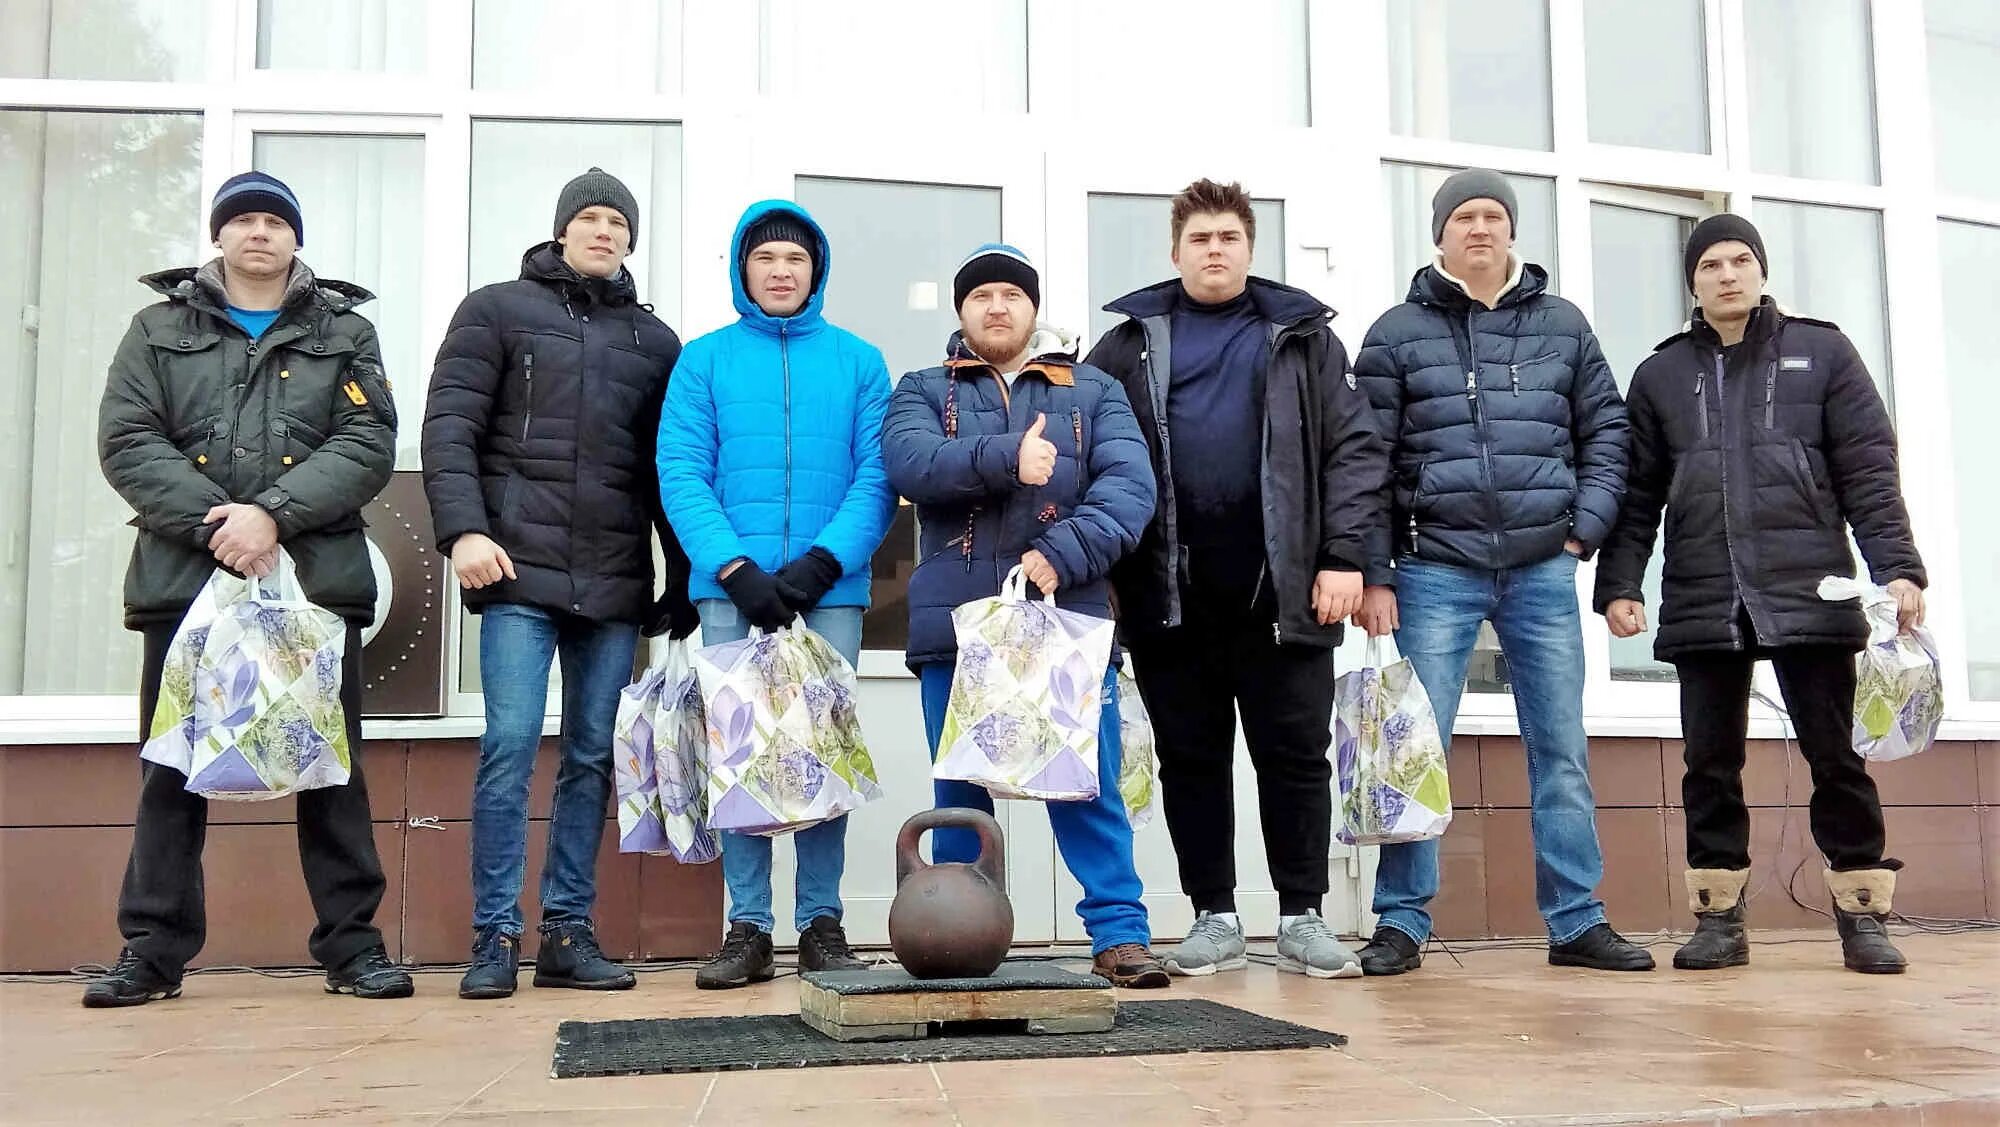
x=771 y=438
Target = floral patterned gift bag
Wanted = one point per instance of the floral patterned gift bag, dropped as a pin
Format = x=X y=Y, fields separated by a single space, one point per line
x=1899 y=686
x=1137 y=779
x=658 y=754
x=784 y=743
x=1026 y=697
x=249 y=704
x=1389 y=755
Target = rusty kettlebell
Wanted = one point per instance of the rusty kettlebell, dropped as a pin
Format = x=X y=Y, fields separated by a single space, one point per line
x=951 y=920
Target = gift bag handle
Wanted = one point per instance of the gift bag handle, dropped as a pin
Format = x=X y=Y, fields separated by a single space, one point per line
x=282 y=585
x=1014 y=588
x=1371 y=656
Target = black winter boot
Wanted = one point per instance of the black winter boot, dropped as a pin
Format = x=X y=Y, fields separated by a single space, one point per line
x=745 y=958
x=823 y=946
x=1715 y=896
x=1861 y=905
x=570 y=957
x=1390 y=952
x=496 y=965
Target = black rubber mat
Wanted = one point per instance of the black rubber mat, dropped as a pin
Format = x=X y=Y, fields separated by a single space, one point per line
x=730 y=1044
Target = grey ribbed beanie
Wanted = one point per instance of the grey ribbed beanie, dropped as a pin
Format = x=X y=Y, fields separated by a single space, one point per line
x=597 y=188
x=1471 y=184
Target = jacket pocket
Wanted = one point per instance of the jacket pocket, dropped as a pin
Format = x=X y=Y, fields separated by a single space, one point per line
x=297 y=439
x=1822 y=504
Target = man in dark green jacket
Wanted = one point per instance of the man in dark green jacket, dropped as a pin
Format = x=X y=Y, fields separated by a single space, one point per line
x=244 y=413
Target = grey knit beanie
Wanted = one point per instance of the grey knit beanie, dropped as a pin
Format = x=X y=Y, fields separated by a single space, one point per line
x=1471 y=184
x=597 y=188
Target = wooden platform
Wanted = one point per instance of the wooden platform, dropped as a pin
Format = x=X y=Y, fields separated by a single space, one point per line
x=890 y=1005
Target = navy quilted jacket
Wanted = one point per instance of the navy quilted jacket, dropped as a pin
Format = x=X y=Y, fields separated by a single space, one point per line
x=952 y=445
x=1507 y=430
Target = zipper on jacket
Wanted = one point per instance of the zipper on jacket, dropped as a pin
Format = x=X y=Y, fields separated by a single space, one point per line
x=785 y=354
x=1701 y=401
x=528 y=369
x=1728 y=542
x=1479 y=429
x=1263 y=566
x=1514 y=370
x=1770 y=395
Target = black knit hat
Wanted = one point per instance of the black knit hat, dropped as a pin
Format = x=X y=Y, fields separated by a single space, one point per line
x=995 y=262
x=1721 y=229
x=779 y=227
x=246 y=192
x=597 y=188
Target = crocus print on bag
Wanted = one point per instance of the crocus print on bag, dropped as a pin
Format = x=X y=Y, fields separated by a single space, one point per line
x=659 y=757
x=1026 y=697
x=1389 y=755
x=1898 y=685
x=249 y=705
x=784 y=743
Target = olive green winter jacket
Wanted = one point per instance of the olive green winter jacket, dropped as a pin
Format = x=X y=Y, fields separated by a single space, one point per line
x=300 y=421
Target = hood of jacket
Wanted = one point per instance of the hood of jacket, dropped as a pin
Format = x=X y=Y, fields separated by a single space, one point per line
x=544 y=263
x=204 y=285
x=809 y=317
x=1276 y=301
x=1431 y=286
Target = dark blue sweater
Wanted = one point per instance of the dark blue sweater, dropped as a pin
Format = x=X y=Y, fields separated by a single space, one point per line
x=1215 y=411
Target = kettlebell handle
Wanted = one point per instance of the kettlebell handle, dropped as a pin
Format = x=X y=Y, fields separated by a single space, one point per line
x=992 y=861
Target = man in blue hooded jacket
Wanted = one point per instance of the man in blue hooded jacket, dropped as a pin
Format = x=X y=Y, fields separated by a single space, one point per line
x=1016 y=455
x=770 y=458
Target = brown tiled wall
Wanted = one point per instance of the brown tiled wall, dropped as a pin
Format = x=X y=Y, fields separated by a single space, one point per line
x=1942 y=810
x=65 y=830
x=66 y=813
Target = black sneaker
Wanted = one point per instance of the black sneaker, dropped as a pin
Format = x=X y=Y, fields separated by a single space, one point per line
x=1389 y=952
x=823 y=946
x=1600 y=948
x=745 y=958
x=132 y=982
x=569 y=957
x=496 y=964
x=370 y=975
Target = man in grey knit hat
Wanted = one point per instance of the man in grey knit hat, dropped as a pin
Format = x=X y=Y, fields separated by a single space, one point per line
x=538 y=449
x=1507 y=439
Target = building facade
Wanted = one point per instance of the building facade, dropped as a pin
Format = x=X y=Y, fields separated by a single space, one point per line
x=427 y=142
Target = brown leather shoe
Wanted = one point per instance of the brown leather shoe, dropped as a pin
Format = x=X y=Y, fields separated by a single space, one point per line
x=1131 y=965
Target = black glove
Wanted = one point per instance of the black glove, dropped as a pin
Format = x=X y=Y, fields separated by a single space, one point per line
x=672 y=615
x=813 y=574
x=764 y=599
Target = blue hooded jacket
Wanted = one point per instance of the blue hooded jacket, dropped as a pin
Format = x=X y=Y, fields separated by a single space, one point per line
x=771 y=438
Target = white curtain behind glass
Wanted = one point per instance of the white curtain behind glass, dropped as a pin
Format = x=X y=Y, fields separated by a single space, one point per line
x=1664 y=41
x=1964 y=49
x=1131 y=245
x=1136 y=59
x=362 y=201
x=1471 y=70
x=377 y=36
x=1826 y=262
x=1971 y=340
x=93 y=201
x=1812 y=88
x=132 y=40
x=511 y=38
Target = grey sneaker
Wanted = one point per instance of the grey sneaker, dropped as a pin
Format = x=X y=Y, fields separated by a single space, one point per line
x=1212 y=944
x=1309 y=947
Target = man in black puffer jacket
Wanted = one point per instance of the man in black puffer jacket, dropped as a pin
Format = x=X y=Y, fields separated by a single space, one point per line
x=1508 y=455
x=1762 y=437
x=539 y=464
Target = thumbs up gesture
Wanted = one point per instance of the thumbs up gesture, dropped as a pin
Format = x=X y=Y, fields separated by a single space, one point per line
x=1038 y=454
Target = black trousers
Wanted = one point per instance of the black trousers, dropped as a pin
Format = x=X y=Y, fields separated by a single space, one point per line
x=1194 y=679
x=160 y=907
x=1817 y=683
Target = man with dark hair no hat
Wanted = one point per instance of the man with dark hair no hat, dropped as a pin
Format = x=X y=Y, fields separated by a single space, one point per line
x=1760 y=436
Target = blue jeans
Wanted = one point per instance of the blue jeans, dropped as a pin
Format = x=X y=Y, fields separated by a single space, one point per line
x=516 y=646
x=822 y=849
x=1094 y=838
x=1534 y=611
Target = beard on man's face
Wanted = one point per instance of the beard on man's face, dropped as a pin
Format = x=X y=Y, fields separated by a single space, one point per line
x=999 y=343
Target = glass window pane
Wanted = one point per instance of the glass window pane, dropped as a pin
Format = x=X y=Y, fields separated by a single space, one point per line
x=1826 y=262
x=129 y=40
x=897 y=296
x=976 y=54
x=1411 y=187
x=1131 y=245
x=361 y=199
x=510 y=45
x=376 y=36
x=518 y=170
x=1812 y=88
x=1471 y=70
x=1663 y=40
x=1132 y=50
x=1639 y=300
x=1964 y=41
x=1967 y=253
x=88 y=202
